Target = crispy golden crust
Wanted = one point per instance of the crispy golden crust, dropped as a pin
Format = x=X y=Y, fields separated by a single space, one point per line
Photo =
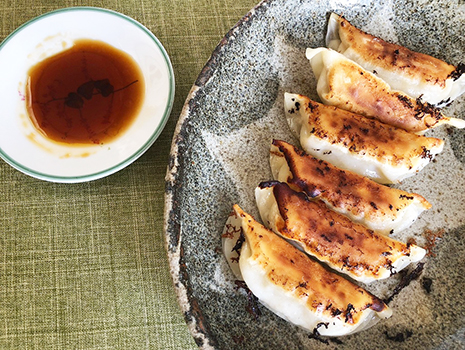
x=287 y=267
x=334 y=238
x=344 y=189
x=394 y=57
x=352 y=88
x=366 y=137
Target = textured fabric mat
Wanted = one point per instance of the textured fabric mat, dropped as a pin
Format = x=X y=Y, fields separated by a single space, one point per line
x=83 y=266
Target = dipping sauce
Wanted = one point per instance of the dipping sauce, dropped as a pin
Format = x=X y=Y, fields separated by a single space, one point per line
x=88 y=94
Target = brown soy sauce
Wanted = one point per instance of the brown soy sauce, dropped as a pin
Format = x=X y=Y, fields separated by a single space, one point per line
x=88 y=94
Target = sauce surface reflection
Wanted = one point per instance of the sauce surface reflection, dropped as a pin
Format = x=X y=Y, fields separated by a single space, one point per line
x=88 y=94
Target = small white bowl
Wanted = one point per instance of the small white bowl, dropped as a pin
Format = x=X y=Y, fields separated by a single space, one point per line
x=25 y=148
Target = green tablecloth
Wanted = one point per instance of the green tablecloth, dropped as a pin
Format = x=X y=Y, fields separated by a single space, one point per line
x=83 y=266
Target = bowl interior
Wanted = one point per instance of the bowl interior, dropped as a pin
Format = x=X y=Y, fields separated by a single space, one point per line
x=23 y=147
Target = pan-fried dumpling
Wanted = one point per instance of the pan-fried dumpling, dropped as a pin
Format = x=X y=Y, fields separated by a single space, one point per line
x=378 y=207
x=344 y=245
x=345 y=84
x=416 y=74
x=299 y=289
x=383 y=153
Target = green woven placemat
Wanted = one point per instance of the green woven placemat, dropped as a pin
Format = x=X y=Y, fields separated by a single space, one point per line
x=83 y=266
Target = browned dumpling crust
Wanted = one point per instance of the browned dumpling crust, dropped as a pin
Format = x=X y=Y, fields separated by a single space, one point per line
x=269 y=263
x=356 y=196
x=395 y=58
x=344 y=245
x=345 y=84
x=380 y=151
x=353 y=89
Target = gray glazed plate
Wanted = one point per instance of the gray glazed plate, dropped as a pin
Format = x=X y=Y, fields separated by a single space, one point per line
x=220 y=153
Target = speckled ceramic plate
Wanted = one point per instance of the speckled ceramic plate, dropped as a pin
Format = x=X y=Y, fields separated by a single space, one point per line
x=220 y=153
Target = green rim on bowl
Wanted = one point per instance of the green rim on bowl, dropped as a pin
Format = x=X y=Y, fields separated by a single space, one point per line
x=121 y=163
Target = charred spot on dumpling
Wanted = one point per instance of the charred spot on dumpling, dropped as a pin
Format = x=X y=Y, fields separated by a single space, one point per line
x=406 y=197
x=365 y=130
x=424 y=109
x=405 y=100
x=457 y=73
x=265 y=184
x=347 y=127
x=321 y=324
x=426 y=153
x=349 y=313
x=319 y=171
x=312 y=106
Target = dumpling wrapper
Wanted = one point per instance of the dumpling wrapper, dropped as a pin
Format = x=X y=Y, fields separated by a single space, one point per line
x=345 y=84
x=301 y=290
x=383 y=153
x=417 y=74
x=380 y=208
x=332 y=238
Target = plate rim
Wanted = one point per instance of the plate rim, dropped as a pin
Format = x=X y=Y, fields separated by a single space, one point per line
x=193 y=316
x=140 y=151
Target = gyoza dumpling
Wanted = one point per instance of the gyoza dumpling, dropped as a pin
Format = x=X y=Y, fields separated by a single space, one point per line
x=299 y=289
x=383 y=153
x=344 y=245
x=416 y=74
x=378 y=207
x=345 y=84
